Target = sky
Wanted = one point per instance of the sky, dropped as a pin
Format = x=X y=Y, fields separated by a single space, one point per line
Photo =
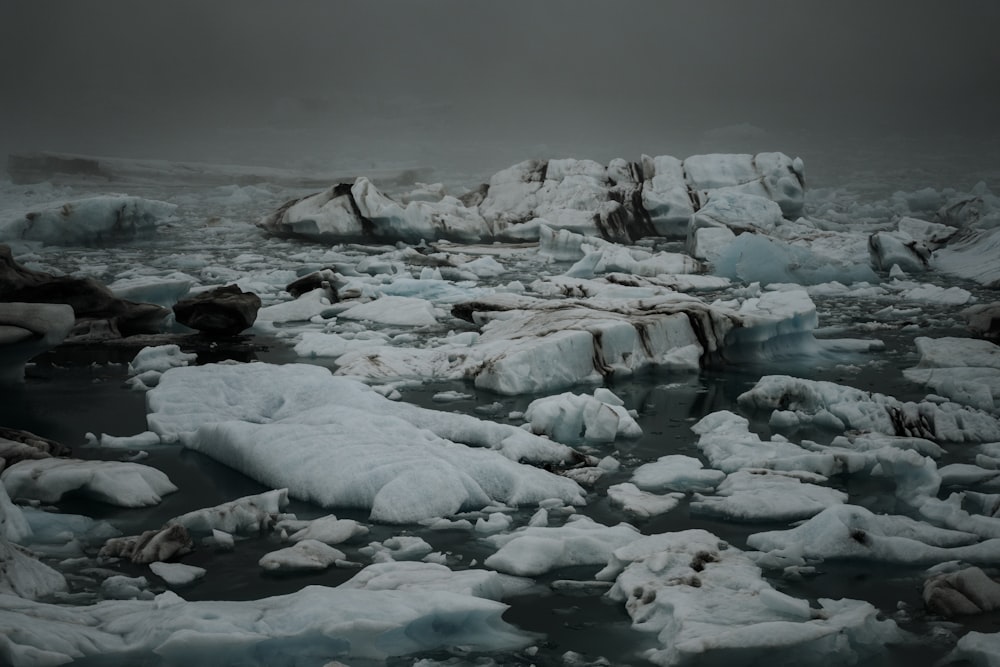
x=249 y=80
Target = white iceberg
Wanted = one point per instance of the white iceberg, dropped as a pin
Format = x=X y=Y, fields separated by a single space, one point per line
x=707 y=603
x=362 y=450
x=114 y=482
x=99 y=219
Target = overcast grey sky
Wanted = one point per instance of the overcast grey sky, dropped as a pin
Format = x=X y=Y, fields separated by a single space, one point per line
x=138 y=77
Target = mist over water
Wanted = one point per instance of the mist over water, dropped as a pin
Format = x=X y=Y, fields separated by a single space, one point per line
x=478 y=86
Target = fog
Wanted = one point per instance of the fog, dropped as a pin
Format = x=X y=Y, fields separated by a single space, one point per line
x=312 y=82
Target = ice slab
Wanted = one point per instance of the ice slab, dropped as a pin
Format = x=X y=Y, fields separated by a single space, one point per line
x=535 y=550
x=965 y=370
x=337 y=443
x=114 y=482
x=853 y=532
x=677 y=472
x=28 y=329
x=707 y=603
x=582 y=419
x=325 y=623
x=842 y=407
x=748 y=495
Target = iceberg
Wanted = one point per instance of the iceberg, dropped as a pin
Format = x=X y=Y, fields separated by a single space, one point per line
x=706 y=602
x=94 y=220
x=322 y=623
x=401 y=462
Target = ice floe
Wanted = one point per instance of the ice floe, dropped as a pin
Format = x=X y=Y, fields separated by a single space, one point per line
x=707 y=602
x=115 y=482
x=531 y=551
x=348 y=624
x=401 y=462
x=841 y=407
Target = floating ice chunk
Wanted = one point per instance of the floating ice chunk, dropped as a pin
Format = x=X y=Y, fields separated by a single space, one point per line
x=416 y=576
x=398 y=548
x=329 y=530
x=749 y=495
x=162 y=290
x=968 y=474
x=889 y=249
x=729 y=445
x=952 y=514
x=222 y=540
x=532 y=551
x=114 y=482
x=866 y=411
x=552 y=345
x=916 y=477
x=306 y=555
x=28 y=329
x=363 y=450
x=497 y=522
x=104 y=218
x=967 y=591
x=304 y=308
x=25 y=576
x=976 y=648
x=14 y=527
x=562 y=245
x=852 y=532
x=317 y=344
x=170 y=541
x=965 y=370
x=397 y=310
x=935 y=294
x=972 y=255
x=359 y=210
x=249 y=514
x=758 y=258
x=677 y=472
x=484 y=267
x=151 y=362
x=707 y=603
x=603 y=257
x=177 y=574
x=447 y=218
x=578 y=418
x=866 y=442
x=351 y=625
x=59 y=533
x=137 y=441
x=120 y=587
x=641 y=503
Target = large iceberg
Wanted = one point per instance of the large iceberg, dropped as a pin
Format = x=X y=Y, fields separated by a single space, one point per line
x=708 y=603
x=621 y=202
x=401 y=462
x=92 y=220
x=317 y=622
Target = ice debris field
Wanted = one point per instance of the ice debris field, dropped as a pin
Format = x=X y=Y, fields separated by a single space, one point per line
x=664 y=411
